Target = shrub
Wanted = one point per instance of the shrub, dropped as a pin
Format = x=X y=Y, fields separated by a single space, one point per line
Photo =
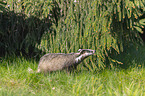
x=104 y=25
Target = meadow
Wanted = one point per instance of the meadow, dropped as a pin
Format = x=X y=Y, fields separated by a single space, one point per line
x=15 y=80
x=29 y=28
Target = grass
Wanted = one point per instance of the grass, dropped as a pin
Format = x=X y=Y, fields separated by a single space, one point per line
x=15 y=80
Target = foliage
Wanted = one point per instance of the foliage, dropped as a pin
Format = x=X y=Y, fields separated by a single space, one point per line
x=2 y=6
x=103 y=25
x=20 y=33
x=37 y=8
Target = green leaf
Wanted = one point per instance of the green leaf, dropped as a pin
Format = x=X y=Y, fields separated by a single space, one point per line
x=142 y=21
x=138 y=29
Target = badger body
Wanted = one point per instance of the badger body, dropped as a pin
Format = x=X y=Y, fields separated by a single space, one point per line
x=58 y=61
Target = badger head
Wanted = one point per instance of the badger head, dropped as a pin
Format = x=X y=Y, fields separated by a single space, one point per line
x=84 y=53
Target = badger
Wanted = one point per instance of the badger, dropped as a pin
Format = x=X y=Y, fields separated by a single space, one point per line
x=59 y=61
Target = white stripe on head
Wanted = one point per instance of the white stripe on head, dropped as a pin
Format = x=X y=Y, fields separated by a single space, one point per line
x=81 y=56
x=78 y=58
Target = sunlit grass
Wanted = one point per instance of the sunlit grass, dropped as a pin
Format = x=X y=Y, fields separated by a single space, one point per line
x=16 y=80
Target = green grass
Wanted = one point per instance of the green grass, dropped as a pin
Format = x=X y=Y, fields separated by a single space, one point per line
x=15 y=80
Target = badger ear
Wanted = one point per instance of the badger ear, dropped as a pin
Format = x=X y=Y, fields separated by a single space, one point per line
x=80 y=50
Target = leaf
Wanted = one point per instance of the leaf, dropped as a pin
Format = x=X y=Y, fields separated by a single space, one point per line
x=3 y=3
x=142 y=21
x=119 y=11
x=138 y=29
x=116 y=61
x=109 y=42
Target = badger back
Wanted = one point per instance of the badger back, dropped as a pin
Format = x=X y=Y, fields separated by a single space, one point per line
x=56 y=61
x=59 y=61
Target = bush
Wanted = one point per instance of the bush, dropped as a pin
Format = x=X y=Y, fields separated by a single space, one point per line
x=104 y=25
x=20 y=31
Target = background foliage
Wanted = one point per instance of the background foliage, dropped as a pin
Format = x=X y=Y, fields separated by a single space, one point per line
x=67 y=25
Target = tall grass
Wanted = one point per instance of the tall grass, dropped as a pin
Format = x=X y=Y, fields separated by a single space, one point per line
x=16 y=80
x=100 y=25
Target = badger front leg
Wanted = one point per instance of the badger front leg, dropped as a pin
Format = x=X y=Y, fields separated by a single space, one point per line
x=71 y=69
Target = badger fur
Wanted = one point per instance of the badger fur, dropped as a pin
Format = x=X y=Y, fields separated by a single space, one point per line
x=58 y=61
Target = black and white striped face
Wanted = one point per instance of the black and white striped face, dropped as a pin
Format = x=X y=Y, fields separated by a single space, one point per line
x=86 y=52
x=83 y=54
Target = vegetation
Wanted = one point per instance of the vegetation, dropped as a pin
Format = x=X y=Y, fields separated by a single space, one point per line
x=31 y=27
x=16 y=80
x=34 y=27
